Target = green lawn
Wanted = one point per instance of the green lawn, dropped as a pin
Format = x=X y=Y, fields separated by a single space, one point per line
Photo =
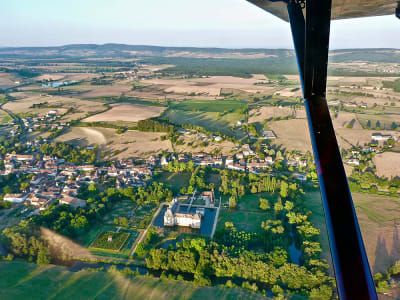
x=174 y=181
x=247 y=216
x=21 y=280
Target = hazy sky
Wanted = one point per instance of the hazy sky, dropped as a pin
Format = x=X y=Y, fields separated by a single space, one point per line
x=210 y=23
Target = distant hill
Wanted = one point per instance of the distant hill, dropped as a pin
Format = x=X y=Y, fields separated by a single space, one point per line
x=122 y=50
x=201 y=61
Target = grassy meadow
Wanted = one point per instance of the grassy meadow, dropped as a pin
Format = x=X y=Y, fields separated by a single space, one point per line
x=23 y=280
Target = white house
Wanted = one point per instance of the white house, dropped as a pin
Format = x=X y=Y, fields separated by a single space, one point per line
x=172 y=218
x=16 y=198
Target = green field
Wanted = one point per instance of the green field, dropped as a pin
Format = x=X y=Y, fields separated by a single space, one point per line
x=209 y=120
x=118 y=240
x=247 y=216
x=314 y=204
x=209 y=105
x=174 y=181
x=21 y=280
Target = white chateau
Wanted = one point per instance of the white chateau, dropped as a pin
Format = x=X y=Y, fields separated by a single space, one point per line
x=173 y=218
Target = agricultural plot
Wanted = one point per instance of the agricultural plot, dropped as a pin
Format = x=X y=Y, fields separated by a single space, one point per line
x=260 y=114
x=377 y=216
x=209 y=106
x=216 y=116
x=127 y=112
x=29 y=105
x=211 y=85
x=292 y=134
x=4 y=117
x=192 y=143
x=131 y=143
x=387 y=164
x=110 y=240
x=384 y=122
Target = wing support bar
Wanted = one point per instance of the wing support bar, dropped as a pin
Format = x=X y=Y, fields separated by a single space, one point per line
x=311 y=42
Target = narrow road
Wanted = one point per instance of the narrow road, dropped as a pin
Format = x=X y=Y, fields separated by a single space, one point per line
x=143 y=234
x=16 y=119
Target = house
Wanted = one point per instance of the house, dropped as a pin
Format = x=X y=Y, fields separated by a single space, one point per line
x=20 y=157
x=208 y=196
x=353 y=162
x=86 y=168
x=237 y=167
x=269 y=160
x=15 y=198
x=381 y=137
x=72 y=201
x=269 y=135
x=174 y=218
x=37 y=200
x=229 y=161
x=164 y=161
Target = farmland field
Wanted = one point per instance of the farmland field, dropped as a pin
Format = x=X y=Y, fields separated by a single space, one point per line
x=127 y=112
x=377 y=216
x=387 y=164
x=4 y=117
x=209 y=120
x=81 y=107
x=292 y=134
x=209 y=106
x=131 y=143
x=118 y=240
x=23 y=280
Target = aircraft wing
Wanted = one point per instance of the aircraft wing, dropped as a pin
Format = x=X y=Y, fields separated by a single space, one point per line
x=341 y=9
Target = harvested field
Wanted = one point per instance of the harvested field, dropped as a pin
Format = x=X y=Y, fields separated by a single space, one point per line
x=55 y=102
x=131 y=143
x=7 y=80
x=225 y=147
x=83 y=136
x=270 y=112
x=387 y=164
x=211 y=85
x=357 y=137
x=344 y=119
x=50 y=77
x=292 y=134
x=376 y=215
x=105 y=91
x=127 y=112
x=289 y=92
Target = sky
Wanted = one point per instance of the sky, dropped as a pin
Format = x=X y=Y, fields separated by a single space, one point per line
x=201 y=23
